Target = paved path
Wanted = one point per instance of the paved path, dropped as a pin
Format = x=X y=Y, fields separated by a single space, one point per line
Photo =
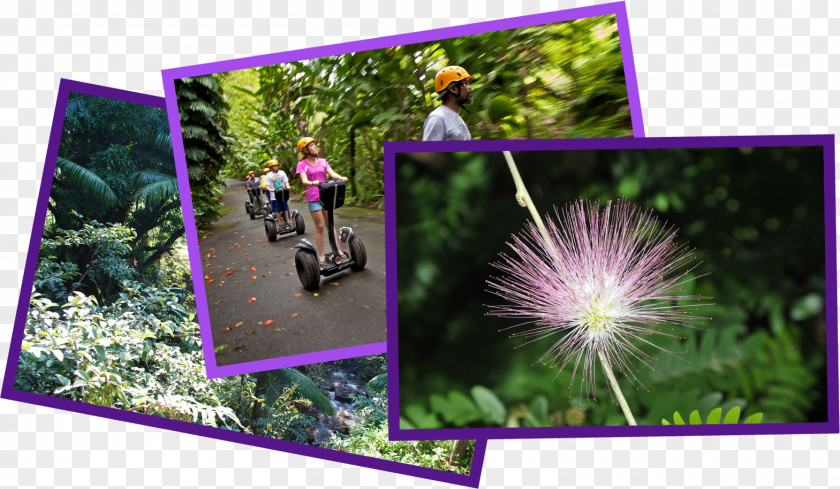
x=285 y=319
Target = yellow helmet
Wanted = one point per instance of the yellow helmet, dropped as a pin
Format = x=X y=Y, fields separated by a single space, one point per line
x=304 y=142
x=266 y=170
x=273 y=163
x=448 y=75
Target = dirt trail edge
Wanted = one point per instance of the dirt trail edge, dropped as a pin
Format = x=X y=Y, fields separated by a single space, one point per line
x=258 y=308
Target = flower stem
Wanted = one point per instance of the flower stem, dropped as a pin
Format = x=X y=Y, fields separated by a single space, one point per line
x=614 y=384
x=524 y=200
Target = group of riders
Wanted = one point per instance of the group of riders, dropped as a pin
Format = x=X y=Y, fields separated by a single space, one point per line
x=442 y=124
x=312 y=171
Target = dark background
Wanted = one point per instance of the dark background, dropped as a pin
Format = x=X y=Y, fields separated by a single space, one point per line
x=754 y=215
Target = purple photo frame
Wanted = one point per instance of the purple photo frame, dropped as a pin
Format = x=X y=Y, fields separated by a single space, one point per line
x=169 y=76
x=832 y=425
x=9 y=392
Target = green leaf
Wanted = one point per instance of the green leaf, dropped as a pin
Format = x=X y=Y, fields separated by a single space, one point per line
x=87 y=181
x=714 y=416
x=59 y=355
x=694 y=417
x=64 y=380
x=406 y=424
x=754 y=419
x=732 y=416
x=421 y=418
x=489 y=404
x=539 y=408
x=677 y=418
x=463 y=410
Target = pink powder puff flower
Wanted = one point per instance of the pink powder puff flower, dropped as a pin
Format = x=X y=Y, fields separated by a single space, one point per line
x=606 y=281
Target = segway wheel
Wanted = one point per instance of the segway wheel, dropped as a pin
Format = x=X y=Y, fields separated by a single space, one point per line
x=300 y=226
x=247 y=208
x=271 y=230
x=357 y=251
x=307 y=269
x=252 y=212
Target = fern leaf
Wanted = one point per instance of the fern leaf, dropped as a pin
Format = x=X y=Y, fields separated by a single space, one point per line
x=732 y=416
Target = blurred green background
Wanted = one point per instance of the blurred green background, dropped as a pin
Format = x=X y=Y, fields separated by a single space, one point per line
x=754 y=215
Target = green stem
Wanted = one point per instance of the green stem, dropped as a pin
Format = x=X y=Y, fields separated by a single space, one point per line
x=524 y=200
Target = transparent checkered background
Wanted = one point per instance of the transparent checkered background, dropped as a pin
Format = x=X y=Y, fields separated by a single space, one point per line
x=706 y=68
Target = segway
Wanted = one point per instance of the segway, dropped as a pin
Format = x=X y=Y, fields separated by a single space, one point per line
x=251 y=210
x=306 y=259
x=272 y=227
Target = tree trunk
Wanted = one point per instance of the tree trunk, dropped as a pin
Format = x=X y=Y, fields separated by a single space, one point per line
x=353 y=161
x=458 y=451
x=157 y=255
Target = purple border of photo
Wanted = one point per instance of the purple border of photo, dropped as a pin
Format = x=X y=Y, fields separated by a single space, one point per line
x=169 y=76
x=826 y=141
x=9 y=392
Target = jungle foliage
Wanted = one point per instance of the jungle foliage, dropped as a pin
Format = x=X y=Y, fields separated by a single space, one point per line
x=202 y=109
x=754 y=217
x=112 y=319
x=114 y=165
x=557 y=80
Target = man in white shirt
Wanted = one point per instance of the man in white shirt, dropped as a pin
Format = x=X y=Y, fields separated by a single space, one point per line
x=444 y=123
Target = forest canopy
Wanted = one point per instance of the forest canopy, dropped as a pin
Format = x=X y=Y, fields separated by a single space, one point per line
x=561 y=80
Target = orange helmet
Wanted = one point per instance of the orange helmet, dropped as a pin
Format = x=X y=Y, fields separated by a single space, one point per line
x=272 y=163
x=266 y=170
x=448 y=75
x=304 y=142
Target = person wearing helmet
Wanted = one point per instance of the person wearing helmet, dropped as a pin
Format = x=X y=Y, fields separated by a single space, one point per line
x=276 y=179
x=252 y=183
x=444 y=123
x=262 y=183
x=313 y=171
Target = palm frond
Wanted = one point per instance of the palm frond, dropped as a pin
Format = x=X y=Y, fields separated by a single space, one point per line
x=163 y=142
x=158 y=189
x=77 y=102
x=151 y=176
x=306 y=387
x=87 y=181
x=378 y=384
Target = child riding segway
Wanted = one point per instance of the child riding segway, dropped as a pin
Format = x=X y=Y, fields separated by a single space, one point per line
x=252 y=185
x=281 y=221
x=323 y=198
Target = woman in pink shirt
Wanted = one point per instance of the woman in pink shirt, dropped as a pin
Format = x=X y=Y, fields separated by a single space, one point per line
x=313 y=171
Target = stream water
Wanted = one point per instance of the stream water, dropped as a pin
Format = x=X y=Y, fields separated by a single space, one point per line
x=341 y=389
